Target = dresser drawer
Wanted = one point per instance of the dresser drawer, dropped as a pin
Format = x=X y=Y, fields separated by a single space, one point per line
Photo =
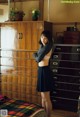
x=69 y=64
x=72 y=34
x=67 y=49
x=66 y=71
x=67 y=86
x=65 y=104
x=66 y=56
x=65 y=94
x=71 y=37
x=67 y=79
x=66 y=64
x=71 y=40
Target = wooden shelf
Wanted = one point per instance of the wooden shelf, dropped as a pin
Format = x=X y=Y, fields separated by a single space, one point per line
x=6 y=1
x=41 y=5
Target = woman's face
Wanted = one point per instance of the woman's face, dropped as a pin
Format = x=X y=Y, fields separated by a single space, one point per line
x=44 y=39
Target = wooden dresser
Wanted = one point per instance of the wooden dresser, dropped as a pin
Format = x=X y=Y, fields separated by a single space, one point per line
x=65 y=64
x=71 y=37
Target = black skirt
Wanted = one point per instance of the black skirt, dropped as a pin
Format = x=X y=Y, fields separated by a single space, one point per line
x=45 y=79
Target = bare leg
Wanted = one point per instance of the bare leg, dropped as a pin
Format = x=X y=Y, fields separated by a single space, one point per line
x=46 y=102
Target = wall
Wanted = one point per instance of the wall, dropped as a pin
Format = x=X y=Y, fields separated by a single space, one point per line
x=62 y=15
x=62 y=12
x=4 y=13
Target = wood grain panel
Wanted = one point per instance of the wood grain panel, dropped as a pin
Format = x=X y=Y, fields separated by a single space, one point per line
x=28 y=36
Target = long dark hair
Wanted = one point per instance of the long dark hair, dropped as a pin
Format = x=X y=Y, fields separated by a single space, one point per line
x=47 y=34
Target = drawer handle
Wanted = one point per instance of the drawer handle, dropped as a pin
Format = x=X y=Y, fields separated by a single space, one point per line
x=55 y=63
x=20 y=35
x=55 y=70
x=55 y=77
x=55 y=56
x=58 y=48
x=78 y=49
x=54 y=100
x=54 y=92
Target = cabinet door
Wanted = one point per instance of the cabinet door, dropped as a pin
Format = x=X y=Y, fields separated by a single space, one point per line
x=8 y=63
x=32 y=32
x=20 y=46
x=36 y=32
x=13 y=35
x=28 y=36
x=34 y=36
x=13 y=40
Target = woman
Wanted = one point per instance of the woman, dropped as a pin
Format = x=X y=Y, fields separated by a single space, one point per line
x=42 y=56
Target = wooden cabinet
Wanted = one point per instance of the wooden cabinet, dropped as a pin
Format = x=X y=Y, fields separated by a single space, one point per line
x=71 y=37
x=19 y=40
x=65 y=65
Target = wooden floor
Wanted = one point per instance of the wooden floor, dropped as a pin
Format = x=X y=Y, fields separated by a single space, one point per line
x=60 y=113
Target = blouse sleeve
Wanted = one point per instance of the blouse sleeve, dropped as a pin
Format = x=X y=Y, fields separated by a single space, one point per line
x=42 y=52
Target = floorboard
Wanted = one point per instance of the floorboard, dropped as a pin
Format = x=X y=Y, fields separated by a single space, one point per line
x=61 y=113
